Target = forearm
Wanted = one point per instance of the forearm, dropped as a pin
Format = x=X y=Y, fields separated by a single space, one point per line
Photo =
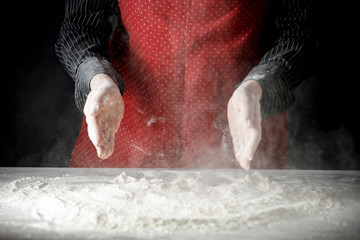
x=82 y=44
x=291 y=59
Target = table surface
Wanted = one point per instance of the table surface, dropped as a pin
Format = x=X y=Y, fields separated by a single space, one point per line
x=344 y=186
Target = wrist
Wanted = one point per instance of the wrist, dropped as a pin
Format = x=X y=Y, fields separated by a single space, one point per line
x=253 y=87
x=100 y=80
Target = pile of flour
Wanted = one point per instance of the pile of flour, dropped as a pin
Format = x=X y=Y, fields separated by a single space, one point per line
x=148 y=203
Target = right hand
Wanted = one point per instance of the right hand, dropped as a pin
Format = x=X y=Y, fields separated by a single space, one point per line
x=104 y=110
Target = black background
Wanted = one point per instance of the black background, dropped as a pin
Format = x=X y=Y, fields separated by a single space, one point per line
x=40 y=121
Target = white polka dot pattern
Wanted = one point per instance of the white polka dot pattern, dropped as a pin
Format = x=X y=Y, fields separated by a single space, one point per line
x=180 y=61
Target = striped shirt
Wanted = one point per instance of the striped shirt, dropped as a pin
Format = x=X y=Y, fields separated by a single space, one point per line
x=288 y=34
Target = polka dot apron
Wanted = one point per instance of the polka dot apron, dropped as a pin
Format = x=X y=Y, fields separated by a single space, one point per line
x=181 y=60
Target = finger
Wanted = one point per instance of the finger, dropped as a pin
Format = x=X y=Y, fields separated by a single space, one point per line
x=236 y=125
x=238 y=143
x=109 y=146
x=236 y=147
x=105 y=147
x=236 y=131
x=94 y=131
x=251 y=145
x=120 y=115
x=255 y=133
x=250 y=117
x=100 y=151
x=234 y=120
x=257 y=115
x=108 y=138
x=91 y=111
x=243 y=161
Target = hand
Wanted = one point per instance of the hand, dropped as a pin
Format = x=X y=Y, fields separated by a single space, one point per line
x=244 y=119
x=104 y=110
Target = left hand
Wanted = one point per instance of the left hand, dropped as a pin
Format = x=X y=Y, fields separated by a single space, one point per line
x=244 y=119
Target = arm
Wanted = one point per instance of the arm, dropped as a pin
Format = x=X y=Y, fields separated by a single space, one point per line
x=82 y=44
x=268 y=89
x=82 y=48
x=293 y=55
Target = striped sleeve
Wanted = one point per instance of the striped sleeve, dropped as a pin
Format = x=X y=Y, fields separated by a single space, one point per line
x=293 y=56
x=83 y=42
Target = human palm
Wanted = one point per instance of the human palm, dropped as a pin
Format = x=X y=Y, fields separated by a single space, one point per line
x=104 y=110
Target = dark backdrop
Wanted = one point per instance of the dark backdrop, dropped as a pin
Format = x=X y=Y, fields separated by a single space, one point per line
x=40 y=122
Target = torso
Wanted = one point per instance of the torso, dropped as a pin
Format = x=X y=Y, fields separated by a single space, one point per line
x=181 y=61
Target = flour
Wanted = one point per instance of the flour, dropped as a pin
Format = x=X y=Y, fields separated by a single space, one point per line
x=147 y=203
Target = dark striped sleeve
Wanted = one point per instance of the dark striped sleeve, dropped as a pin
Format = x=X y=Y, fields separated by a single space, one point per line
x=83 y=42
x=292 y=57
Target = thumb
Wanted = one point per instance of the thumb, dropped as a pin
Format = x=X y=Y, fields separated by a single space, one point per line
x=94 y=109
x=92 y=105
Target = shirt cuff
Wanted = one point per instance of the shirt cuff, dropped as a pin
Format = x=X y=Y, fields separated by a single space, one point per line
x=86 y=71
x=277 y=93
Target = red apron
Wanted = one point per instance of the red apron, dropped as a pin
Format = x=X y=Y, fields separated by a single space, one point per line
x=181 y=60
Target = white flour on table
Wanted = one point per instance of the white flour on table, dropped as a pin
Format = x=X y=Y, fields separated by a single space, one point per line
x=149 y=204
